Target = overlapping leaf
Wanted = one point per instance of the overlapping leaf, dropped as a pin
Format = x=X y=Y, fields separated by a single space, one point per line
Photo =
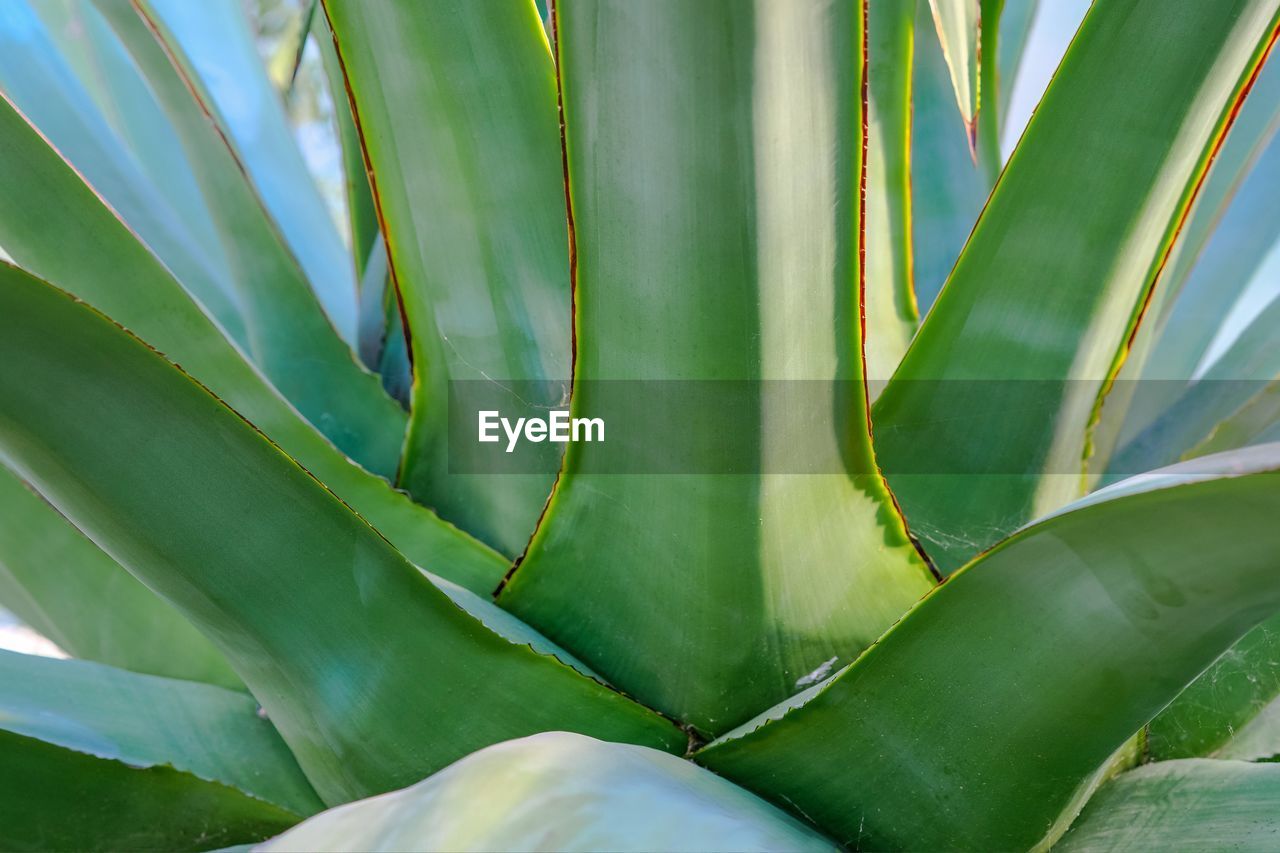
x=108 y=268
x=1057 y=645
x=213 y=43
x=456 y=103
x=1183 y=805
x=712 y=595
x=63 y=586
x=370 y=672
x=1234 y=223
x=102 y=759
x=1214 y=713
x=983 y=426
x=285 y=330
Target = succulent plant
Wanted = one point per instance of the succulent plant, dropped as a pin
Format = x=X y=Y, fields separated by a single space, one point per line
x=932 y=504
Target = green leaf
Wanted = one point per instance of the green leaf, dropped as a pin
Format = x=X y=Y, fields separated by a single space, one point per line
x=947 y=187
x=959 y=33
x=375 y=296
x=1238 y=377
x=286 y=332
x=1057 y=645
x=1231 y=227
x=983 y=426
x=705 y=595
x=919 y=172
x=63 y=586
x=1259 y=740
x=1256 y=422
x=59 y=799
x=994 y=62
x=456 y=103
x=143 y=720
x=888 y=293
x=361 y=212
x=36 y=80
x=1014 y=29
x=1194 y=804
x=371 y=673
x=564 y=792
x=213 y=42
x=1211 y=716
x=48 y=200
x=125 y=100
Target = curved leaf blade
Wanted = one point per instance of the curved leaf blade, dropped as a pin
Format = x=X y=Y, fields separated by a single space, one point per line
x=369 y=671
x=456 y=103
x=37 y=80
x=1056 y=274
x=215 y=40
x=710 y=596
x=286 y=330
x=146 y=721
x=111 y=270
x=1193 y=804
x=1215 y=711
x=559 y=791
x=1233 y=224
x=1239 y=377
x=1092 y=621
x=60 y=799
x=1256 y=422
x=63 y=586
x=101 y=63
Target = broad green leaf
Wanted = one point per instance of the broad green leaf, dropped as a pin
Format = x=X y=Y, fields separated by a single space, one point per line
x=371 y=673
x=888 y=293
x=1212 y=713
x=983 y=426
x=559 y=791
x=706 y=595
x=947 y=187
x=1193 y=804
x=1231 y=227
x=1240 y=376
x=53 y=798
x=456 y=103
x=106 y=267
x=1056 y=645
x=959 y=33
x=212 y=40
x=143 y=720
x=63 y=586
x=286 y=332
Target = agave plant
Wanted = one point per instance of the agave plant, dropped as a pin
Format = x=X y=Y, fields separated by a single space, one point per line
x=243 y=485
